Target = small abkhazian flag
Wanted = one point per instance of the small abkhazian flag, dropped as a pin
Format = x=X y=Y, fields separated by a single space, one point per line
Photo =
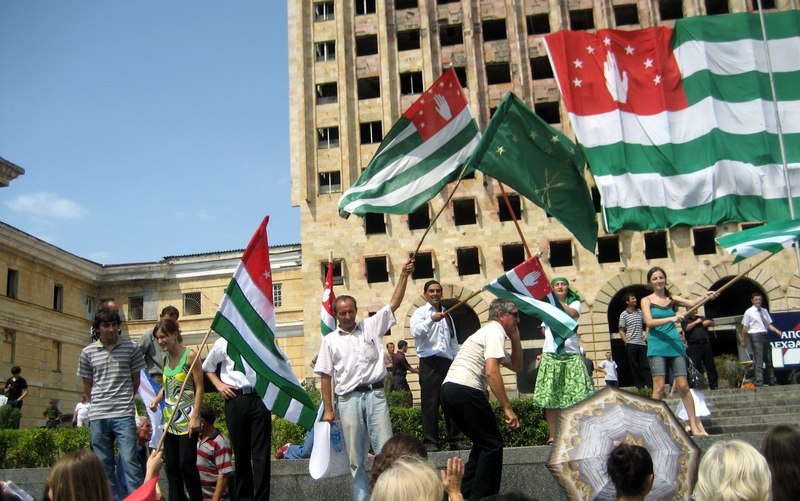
x=422 y=152
x=766 y=238
x=679 y=125
x=327 y=321
x=246 y=319
x=528 y=288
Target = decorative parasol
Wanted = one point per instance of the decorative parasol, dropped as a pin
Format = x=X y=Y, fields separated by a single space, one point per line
x=589 y=430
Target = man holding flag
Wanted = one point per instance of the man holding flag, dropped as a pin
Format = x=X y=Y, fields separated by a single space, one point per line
x=353 y=355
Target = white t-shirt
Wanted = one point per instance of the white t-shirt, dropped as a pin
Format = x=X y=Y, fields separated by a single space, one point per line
x=469 y=366
x=571 y=345
x=610 y=367
x=82 y=410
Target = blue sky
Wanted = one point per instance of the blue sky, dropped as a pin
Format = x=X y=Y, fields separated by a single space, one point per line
x=146 y=129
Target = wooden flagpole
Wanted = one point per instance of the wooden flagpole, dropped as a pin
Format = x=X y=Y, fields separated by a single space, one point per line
x=514 y=218
x=433 y=221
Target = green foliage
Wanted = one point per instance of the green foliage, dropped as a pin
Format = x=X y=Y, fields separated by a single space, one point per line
x=730 y=371
x=283 y=431
x=408 y=421
x=642 y=392
x=9 y=417
x=34 y=448
x=532 y=425
x=399 y=398
x=217 y=401
x=71 y=439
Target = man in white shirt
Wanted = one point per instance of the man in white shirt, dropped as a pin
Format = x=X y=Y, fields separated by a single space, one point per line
x=249 y=422
x=464 y=396
x=756 y=323
x=436 y=344
x=353 y=356
x=609 y=368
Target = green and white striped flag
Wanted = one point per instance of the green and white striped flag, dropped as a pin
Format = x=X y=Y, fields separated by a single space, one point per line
x=678 y=125
x=422 y=152
x=327 y=322
x=246 y=319
x=767 y=238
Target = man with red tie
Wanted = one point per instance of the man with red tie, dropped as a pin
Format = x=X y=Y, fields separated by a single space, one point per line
x=757 y=323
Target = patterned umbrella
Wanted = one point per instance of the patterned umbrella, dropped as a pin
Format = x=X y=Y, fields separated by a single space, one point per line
x=589 y=430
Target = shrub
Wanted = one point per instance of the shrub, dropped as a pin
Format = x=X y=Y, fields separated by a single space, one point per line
x=399 y=398
x=34 y=448
x=730 y=371
x=71 y=439
x=9 y=417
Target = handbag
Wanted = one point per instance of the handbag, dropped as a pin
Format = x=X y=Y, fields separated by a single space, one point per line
x=695 y=377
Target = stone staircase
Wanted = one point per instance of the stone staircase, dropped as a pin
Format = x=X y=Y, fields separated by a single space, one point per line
x=753 y=410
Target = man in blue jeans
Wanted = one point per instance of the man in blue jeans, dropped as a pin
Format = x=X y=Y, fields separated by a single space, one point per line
x=757 y=323
x=110 y=369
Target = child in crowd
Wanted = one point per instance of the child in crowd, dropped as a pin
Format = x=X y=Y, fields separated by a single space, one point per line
x=213 y=457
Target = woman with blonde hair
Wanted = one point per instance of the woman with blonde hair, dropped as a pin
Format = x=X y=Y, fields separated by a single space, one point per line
x=411 y=478
x=733 y=470
x=77 y=476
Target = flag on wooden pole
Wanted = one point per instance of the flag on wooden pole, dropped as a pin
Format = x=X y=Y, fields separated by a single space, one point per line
x=766 y=238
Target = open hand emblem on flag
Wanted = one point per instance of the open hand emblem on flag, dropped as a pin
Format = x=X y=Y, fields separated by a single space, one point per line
x=442 y=107
x=618 y=87
x=531 y=278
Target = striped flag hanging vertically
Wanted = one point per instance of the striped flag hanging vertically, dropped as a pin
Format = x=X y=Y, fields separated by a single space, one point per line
x=246 y=319
x=327 y=321
x=422 y=152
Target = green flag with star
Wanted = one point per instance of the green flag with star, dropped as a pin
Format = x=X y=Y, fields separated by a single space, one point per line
x=523 y=152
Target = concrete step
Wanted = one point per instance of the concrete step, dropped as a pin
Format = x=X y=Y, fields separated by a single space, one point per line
x=733 y=412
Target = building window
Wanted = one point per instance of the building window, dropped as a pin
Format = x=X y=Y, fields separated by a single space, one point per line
x=374 y=223
x=464 y=211
x=450 y=35
x=411 y=83
x=670 y=9
x=513 y=255
x=597 y=200
x=704 y=241
x=467 y=261
x=540 y=68
x=626 y=15
x=538 y=24
x=338 y=278
x=608 y=249
x=442 y=2
x=366 y=45
x=327 y=93
x=423 y=265
x=136 y=308
x=461 y=73
x=371 y=132
x=407 y=40
x=365 y=7
x=327 y=137
x=405 y=4
x=714 y=7
x=55 y=354
x=655 y=244
x=325 y=51
x=191 y=303
x=420 y=219
x=560 y=253
x=581 y=19
x=369 y=88
x=548 y=111
x=765 y=4
x=12 y=283
x=498 y=73
x=58 y=297
x=323 y=11
x=90 y=307
x=11 y=339
x=330 y=182
x=376 y=269
x=516 y=207
x=277 y=295
x=494 y=29
x=754 y=224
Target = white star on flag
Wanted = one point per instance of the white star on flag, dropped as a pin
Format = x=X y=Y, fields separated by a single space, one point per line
x=554 y=139
x=577 y=82
x=607 y=41
x=629 y=50
x=657 y=79
x=648 y=63
x=578 y=63
x=590 y=49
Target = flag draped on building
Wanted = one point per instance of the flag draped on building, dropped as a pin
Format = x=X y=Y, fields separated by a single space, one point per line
x=327 y=321
x=246 y=319
x=422 y=152
x=521 y=150
x=527 y=287
x=679 y=128
x=767 y=238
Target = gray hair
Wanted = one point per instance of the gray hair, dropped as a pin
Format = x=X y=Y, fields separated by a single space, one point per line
x=500 y=306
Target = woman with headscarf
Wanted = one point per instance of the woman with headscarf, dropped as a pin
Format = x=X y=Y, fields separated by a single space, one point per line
x=562 y=379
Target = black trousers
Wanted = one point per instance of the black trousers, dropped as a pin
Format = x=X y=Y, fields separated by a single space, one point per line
x=180 y=465
x=399 y=382
x=703 y=358
x=470 y=409
x=640 y=367
x=432 y=371
x=250 y=430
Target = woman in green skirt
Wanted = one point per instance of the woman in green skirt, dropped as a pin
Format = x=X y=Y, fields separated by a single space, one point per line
x=563 y=379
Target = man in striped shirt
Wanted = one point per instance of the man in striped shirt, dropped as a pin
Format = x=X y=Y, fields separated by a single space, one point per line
x=110 y=369
x=631 y=321
x=213 y=457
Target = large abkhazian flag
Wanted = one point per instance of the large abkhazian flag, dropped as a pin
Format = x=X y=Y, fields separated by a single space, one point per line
x=327 y=321
x=767 y=238
x=422 y=152
x=528 y=288
x=679 y=128
x=246 y=319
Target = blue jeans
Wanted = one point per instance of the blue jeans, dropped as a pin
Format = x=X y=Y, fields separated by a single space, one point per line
x=762 y=354
x=363 y=414
x=123 y=429
x=301 y=451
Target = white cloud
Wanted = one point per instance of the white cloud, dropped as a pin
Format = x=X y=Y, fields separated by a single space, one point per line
x=44 y=204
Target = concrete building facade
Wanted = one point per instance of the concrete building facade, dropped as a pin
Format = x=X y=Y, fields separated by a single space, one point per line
x=355 y=66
